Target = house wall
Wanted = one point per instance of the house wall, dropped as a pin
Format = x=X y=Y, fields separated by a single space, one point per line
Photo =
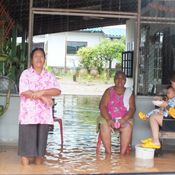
x=56 y=49
x=9 y=121
x=130 y=33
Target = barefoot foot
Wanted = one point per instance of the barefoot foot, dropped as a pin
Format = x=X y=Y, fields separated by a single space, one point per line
x=24 y=161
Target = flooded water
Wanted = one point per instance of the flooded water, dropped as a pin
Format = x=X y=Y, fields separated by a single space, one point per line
x=79 y=115
x=78 y=155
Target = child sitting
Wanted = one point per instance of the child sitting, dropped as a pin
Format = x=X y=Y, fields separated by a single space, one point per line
x=163 y=111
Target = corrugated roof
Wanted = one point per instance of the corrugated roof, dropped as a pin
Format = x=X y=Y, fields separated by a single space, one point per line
x=111 y=32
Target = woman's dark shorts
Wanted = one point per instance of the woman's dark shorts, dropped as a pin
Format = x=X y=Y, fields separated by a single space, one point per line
x=168 y=124
x=32 y=139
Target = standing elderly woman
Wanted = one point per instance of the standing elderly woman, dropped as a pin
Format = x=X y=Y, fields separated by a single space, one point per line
x=117 y=104
x=36 y=88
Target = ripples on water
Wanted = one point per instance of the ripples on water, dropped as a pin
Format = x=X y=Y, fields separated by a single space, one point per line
x=79 y=126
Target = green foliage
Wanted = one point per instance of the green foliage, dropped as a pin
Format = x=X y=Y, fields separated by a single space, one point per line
x=102 y=54
x=13 y=60
x=49 y=68
x=12 y=65
x=87 y=57
x=109 y=50
x=1 y=109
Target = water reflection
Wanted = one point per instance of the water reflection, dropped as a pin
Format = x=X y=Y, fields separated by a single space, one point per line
x=79 y=122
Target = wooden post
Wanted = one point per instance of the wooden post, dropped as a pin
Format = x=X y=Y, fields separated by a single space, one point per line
x=137 y=46
x=30 y=34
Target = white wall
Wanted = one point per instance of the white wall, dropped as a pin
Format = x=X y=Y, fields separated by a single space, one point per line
x=9 y=121
x=56 y=49
x=141 y=128
x=130 y=33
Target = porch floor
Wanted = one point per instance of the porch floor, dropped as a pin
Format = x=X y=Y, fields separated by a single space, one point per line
x=10 y=164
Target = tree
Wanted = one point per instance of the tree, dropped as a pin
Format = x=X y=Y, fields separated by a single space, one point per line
x=86 y=55
x=103 y=53
x=110 y=50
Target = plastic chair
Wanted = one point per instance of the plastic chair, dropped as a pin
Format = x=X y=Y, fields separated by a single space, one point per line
x=98 y=144
x=59 y=120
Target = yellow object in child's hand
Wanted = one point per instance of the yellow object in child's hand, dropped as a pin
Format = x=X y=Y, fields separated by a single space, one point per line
x=142 y=116
x=171 y=112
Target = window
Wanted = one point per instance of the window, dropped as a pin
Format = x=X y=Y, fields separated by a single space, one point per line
x=73 y=46
x=127 y=63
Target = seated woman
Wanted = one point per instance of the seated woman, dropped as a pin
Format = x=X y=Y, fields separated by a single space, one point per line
x=156 y=121
x=117 y=107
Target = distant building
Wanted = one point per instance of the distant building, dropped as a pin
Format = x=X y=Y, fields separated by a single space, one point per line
x=61 y=48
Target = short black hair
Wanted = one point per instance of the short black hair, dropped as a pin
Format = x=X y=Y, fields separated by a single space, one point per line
x=169 y=87
x=37 y=49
